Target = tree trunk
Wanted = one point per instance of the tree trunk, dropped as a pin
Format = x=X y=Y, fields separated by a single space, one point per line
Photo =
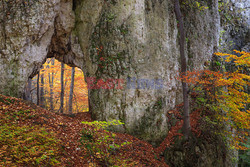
x=66 y=93
x=42 y=100
x=186 y=124
x=38 y=89
x=62 y=88
x=51 y=85
x=71 y=89
x=32 y=87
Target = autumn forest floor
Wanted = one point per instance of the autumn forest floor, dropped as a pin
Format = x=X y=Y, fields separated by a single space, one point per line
x=67 y=129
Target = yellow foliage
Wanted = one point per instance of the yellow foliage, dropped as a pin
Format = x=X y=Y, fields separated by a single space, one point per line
x=80 y=96
x=228 y=92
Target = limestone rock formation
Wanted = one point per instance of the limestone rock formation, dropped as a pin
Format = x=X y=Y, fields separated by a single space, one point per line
x=135 y=41
x=26 y=31
x=198 y=153
x=235 y=25
x=138 y=41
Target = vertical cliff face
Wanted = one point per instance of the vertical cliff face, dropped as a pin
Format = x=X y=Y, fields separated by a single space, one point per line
x=202 y=32
x=137 y=40
x=25 y=33
x=135 y=43
x=235 y=25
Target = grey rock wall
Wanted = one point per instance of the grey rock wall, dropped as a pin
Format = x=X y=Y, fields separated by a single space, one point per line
x=112 y=39
x=26 y=31
x=139 y=40
x=235 y=25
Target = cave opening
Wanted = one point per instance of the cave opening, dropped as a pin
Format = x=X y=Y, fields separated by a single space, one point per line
x=59 y=88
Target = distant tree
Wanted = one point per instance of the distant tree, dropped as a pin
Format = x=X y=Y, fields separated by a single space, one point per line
x=52 y=87
x=37 y=88
x=42 y=98
x=51 y=84
x=66 y=89
x=62 y=88
x=71 y=89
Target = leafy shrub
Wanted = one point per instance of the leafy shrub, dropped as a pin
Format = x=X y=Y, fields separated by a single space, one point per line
x=100 y=143
x=244 y=154
x=18 y=115
x=6 y=101
x=27 y=146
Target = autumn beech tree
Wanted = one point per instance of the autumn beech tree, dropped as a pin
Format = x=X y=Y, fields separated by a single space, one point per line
x=55 y=77
x=42 y=98
x=51 y=83
x=71 y=89
x=52 y=86
x=37 y=89
x=225 y=94
x=62 y=88
x=186 y=119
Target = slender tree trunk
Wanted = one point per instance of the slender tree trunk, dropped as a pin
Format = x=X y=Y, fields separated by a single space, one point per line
x=50 y=92
x=31 y=89
x=66 y=94
x=38 y=89
x=71 y=89
x=51 y=85
x=186 y=124
x=42 y=99
x=62 y=87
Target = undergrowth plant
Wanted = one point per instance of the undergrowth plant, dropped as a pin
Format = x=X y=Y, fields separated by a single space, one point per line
x=100 y=143
x=244 y=154
x=194 y=4
x=27 y=146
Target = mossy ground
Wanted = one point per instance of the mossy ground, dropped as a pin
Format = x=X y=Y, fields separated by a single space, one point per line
x=33 y=136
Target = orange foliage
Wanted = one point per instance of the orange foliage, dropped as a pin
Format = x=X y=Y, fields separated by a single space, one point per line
x=80 y=96
x=226 y=93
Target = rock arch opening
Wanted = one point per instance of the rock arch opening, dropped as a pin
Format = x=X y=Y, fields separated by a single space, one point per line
x=59 y=88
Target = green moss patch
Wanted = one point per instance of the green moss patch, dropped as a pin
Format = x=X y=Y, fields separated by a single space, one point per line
x=27 y=146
